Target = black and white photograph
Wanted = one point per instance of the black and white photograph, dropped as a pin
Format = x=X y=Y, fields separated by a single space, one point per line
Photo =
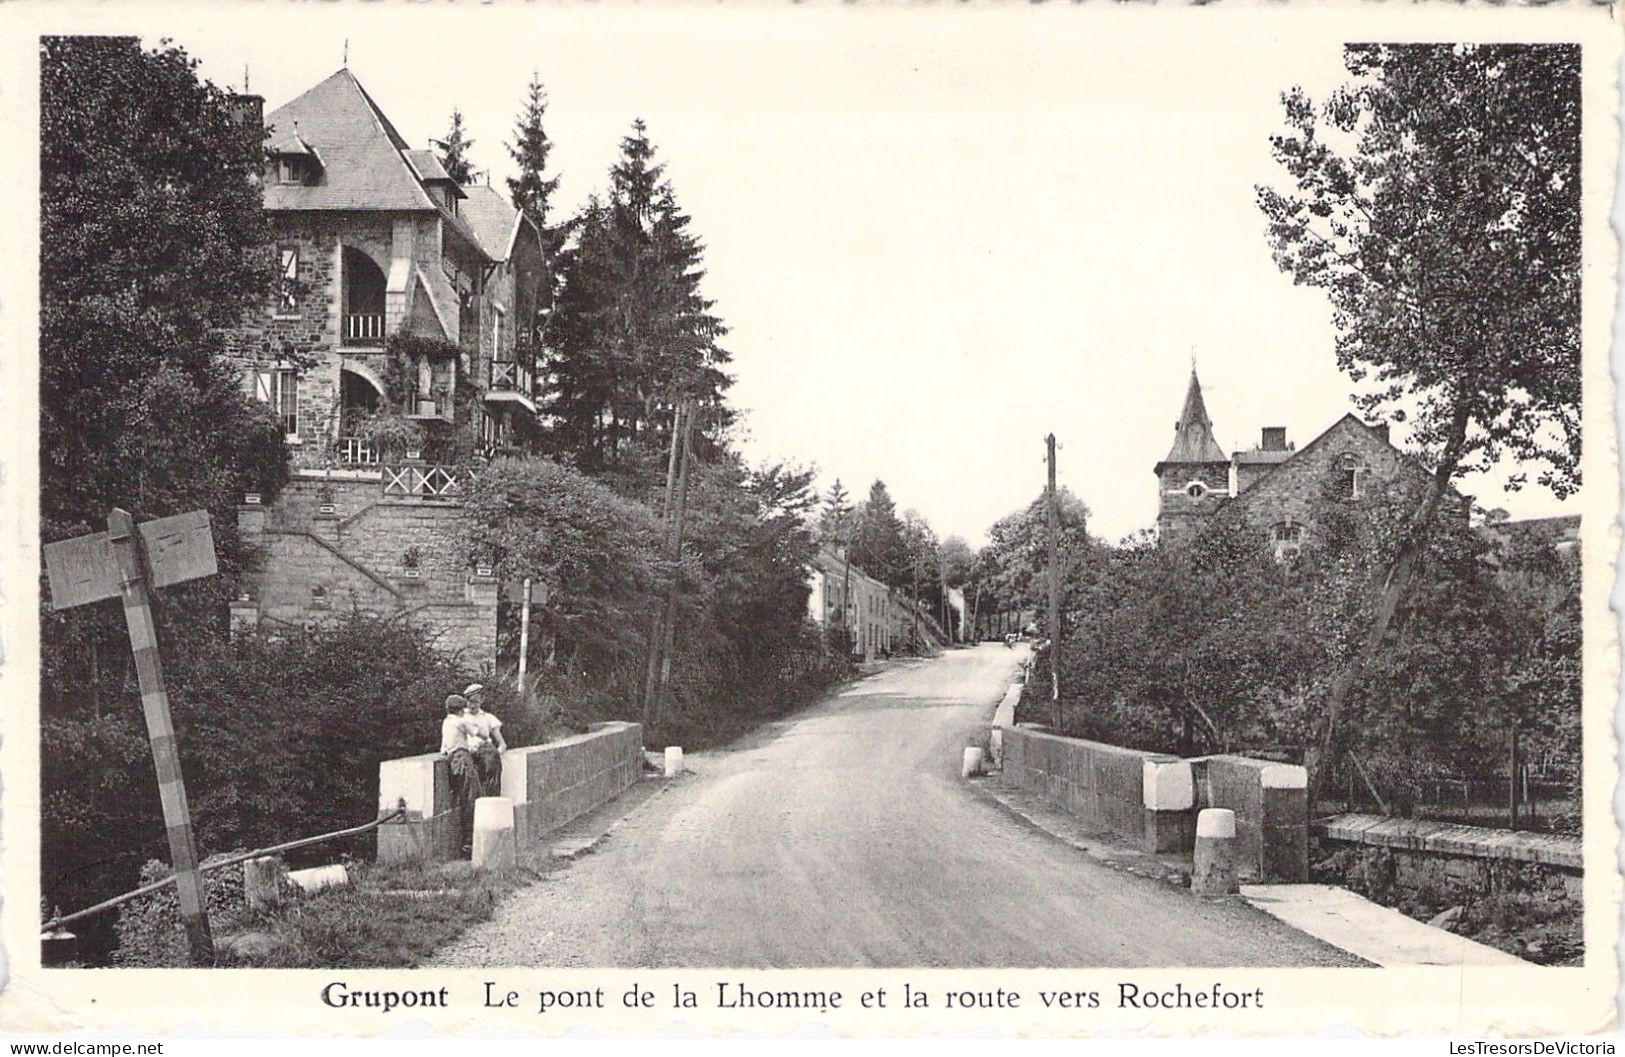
x=915 y=518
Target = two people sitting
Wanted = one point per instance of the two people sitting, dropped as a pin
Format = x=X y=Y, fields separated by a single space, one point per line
x=472 y=742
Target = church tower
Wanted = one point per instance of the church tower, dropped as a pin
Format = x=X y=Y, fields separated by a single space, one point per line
x=1193 y=480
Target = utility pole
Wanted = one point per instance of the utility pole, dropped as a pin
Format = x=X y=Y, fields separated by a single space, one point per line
x=681 y=512
x=656 y=629
x=1054 y=590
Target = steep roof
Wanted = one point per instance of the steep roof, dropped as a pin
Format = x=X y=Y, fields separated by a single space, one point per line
x=363 y=165
x=429 y=169
x=494 y=222
x=1375 y=433
x=1193 y=433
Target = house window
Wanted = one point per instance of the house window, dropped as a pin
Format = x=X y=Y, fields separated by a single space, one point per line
x=287 y=295
x=280 y=389
x=1349 y=468
x=289 y=169
x=1196 y=489
x=1287 y=538
x=496 y=332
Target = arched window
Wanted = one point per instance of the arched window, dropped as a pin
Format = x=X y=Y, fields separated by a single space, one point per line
x=1196 y=489
x=1350 y=468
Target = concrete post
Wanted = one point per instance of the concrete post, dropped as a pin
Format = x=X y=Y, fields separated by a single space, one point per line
x=674 y=761
x=319 y=877
x=972 y=762
x=494 y=843
x=1213 y=870
x=265 y=882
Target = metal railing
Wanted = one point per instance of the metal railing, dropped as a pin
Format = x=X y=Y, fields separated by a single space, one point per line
x=275 y=849
x=363 y=327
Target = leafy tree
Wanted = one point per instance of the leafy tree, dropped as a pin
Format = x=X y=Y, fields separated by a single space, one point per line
x=597 y=553
x=959 y=561
x=633 y=333
x=1436 y=199
x=151 y=240
x=454 y=148
x=1013 y=567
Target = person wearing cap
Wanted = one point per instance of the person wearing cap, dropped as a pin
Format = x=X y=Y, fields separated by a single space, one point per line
x=457 y=732
x=485 y=740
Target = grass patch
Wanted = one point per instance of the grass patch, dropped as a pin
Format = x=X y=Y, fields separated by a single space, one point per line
x=393 y=916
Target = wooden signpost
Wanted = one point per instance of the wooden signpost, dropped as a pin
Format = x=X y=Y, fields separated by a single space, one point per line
x=127 y=561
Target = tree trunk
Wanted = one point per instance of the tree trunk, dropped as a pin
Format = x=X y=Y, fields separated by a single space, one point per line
x=1395 y=586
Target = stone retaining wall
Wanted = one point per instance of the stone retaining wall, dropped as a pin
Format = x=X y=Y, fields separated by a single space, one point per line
x=1418 y=853
x=550 y=785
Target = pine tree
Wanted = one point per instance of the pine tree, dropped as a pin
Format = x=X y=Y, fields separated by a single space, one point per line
x=835 y=520
x=880 y=544
x=634 y=335
x=454 y=150
x=532 y=189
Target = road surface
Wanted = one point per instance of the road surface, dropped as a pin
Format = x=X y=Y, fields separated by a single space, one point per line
x=844 y=836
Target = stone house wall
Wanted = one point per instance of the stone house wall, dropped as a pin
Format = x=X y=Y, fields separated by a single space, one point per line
x=1180 y=515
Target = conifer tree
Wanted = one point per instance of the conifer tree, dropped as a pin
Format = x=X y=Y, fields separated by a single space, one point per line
x=533 y=189
x=454 y=150
x=634 y=335
x=835 y=520
x=880 y=543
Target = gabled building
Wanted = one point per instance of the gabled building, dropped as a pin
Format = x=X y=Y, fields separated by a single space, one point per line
x=374 y=241
x=1275 y=487
x=401 y=294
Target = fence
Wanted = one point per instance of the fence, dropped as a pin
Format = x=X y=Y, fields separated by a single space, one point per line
x=428 y=481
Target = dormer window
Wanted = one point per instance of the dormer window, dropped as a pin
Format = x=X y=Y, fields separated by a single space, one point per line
x=290 y=169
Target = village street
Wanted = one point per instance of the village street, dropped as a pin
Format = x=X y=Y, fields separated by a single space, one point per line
x=844 y=836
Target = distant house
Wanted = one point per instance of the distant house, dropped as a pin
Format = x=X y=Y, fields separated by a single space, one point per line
x=1276 y=486
x=401 y=295
x=844 y=596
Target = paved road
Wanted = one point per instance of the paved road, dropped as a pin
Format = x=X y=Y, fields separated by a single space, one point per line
x=845 y=837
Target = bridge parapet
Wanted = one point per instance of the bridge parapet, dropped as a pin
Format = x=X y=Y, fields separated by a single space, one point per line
x=1152 y=799
x=550 y=785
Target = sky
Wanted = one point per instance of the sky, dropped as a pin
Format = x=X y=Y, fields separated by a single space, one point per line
x=936 y=233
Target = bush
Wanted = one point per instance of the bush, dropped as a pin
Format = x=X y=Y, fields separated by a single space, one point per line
x=278 y=739
x=149 y=928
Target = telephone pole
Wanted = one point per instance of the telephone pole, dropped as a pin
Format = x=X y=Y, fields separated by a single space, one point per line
x=1054 y=590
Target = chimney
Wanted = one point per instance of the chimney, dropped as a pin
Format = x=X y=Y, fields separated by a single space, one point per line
x=1381 y=430
x=1274 y=439
x=248 y=110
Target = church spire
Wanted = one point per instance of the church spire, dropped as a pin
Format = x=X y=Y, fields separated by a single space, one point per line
x=1193 y=433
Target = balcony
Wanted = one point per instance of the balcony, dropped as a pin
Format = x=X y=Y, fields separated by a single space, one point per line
x=435 y=408
x=364 y=328
x=512 y=383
